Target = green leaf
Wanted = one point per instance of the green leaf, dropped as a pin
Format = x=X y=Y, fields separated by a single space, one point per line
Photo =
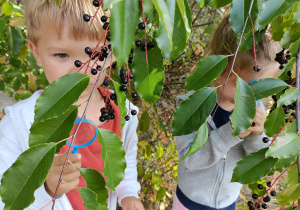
x=274 y=122
x=161 y=193
x=54 y=129
x=2 y=85
x=199 y=141
x=290 y=195
x=284 y=146
x=265 y=87
x=16 y=84
x=149 y=80
x=113 y=156
x=144 y=122
x=194 y=111
x=160 y=151
x=121 y=99
x=247 y=40
x=284 y=163
x=238 y=14
x=255 y=190
x=244 y=108
x=186 y=16
x=90 y=199
x=292 y=176
x=2 y=25
x=123 y=23
x=95 y=182
x=207 y=70
x=253 y=167
x=270 y=10
x=7 y=8
x=26 y=175
x=288 y=97
x=203 y=3
x=291 y=127
x=14 y=41
x=108 y=3
x=178 y=37
x=59 y=95
x=57 y=2
x=165 y=19
x=13 y=73
x=219 y=3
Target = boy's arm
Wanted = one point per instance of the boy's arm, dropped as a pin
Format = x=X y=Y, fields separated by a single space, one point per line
x=129 y=186
x=219 y=142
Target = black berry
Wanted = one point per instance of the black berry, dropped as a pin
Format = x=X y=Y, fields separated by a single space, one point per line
x=250 y=203
x=78 y=63
x=144 y=48
x=132 y=50
x=127 y=118
x=138 y=43
x=94 y=71
x=98 y=67
x=113 y=97
x=124 y=81
x=123 y=88
x=133 y=112
x=111 y=111
x=122 y=71
x=274 y=98
x=281 y=67
x=105 y=25
x=134 y=95
x=254 y=196
x=264 y=206
x=265 y=139
x=131 y=76
x=108 y=37
x=102 y=119
x=106 y=82
x=104 y=49
x=269 y=184
x=88 y=51
x=260 y=186
x=286 y=111
x=141 y=25
x=96 y=3
x=86 y=17
x=267 y=199
x=273 y=193
x=122 y=76
x=150 y=45
x=104 y=114
x=104 y=18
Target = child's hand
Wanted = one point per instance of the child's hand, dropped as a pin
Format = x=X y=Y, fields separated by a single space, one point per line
x=70 y=176
x=132 y=203
x=257 y=125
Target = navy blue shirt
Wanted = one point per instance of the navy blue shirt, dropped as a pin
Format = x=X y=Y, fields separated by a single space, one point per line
x=221 y=116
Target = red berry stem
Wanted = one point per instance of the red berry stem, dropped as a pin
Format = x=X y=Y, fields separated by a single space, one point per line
x=101 y=2
x=145 y=34
x=254 y=51
x=128 y=78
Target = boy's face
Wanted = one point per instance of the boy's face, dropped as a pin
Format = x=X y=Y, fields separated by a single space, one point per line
x=58 y=54
x=270 y=71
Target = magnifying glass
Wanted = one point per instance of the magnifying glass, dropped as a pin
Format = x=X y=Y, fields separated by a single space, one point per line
x=86 y=134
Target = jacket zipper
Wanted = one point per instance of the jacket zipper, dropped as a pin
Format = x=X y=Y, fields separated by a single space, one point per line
x=223 y=162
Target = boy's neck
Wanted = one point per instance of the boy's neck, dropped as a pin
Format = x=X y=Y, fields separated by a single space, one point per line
x=226 y=105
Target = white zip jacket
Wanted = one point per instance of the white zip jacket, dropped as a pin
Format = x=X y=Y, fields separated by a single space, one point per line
x=14 y=137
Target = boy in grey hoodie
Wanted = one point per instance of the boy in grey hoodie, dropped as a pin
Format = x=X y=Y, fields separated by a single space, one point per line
x=204 y=177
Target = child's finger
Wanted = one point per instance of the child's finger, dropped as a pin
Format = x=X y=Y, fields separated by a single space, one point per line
x=70 y=177
x=60 y=159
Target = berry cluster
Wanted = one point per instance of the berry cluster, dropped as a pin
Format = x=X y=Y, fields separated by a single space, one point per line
x=289 y=110
x=139 y=43
x=107 y=112
x=282 y=58
x=255 y=204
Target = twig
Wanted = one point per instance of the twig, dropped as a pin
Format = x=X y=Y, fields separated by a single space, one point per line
x=203 y=24
x=297 y=111
x=83 y=115
x=198 y=13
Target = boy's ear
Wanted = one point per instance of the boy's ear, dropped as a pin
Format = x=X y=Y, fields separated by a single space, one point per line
x=35 y=53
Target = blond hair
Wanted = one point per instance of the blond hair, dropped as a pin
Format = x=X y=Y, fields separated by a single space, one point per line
x=224 y=42
x=37 y=12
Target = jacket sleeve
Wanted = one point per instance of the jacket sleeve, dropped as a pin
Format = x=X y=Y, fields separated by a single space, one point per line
x=253 y=143
x=129 y=186
x=218 y=144
x=10 y=151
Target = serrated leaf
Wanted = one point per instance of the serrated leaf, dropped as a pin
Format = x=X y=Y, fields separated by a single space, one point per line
x=239 y=11
x=122 y=31
x=284 y=163
x=149 y=80
x=90 y=199
x=144 y=122
x=165 y=19
x=288 y=97
x=96 y=183
x=186 y=16
x=271 y=9
x=26 y=175
x=59 y=95
x=255 y=190
x=121 y=99
x=292 y=176
x=289 y=195
x=194 y=111
x=253 y=167
x=113 y=156
x=207 y=70
x=284 y=146
x=54 y=129
x=199 y=141
x=7 y=8
x=291 y=127
x=274 y=122
x=244 y=108
x=13 y=40
x=178 y=37
x=265 y=87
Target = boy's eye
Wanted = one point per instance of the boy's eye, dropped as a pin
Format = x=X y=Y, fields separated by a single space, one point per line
x=61 y=55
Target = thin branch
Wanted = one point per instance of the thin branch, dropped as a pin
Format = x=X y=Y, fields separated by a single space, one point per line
x=83 y=115
x=198 y=13
x=203 y=24
x=297 y=111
